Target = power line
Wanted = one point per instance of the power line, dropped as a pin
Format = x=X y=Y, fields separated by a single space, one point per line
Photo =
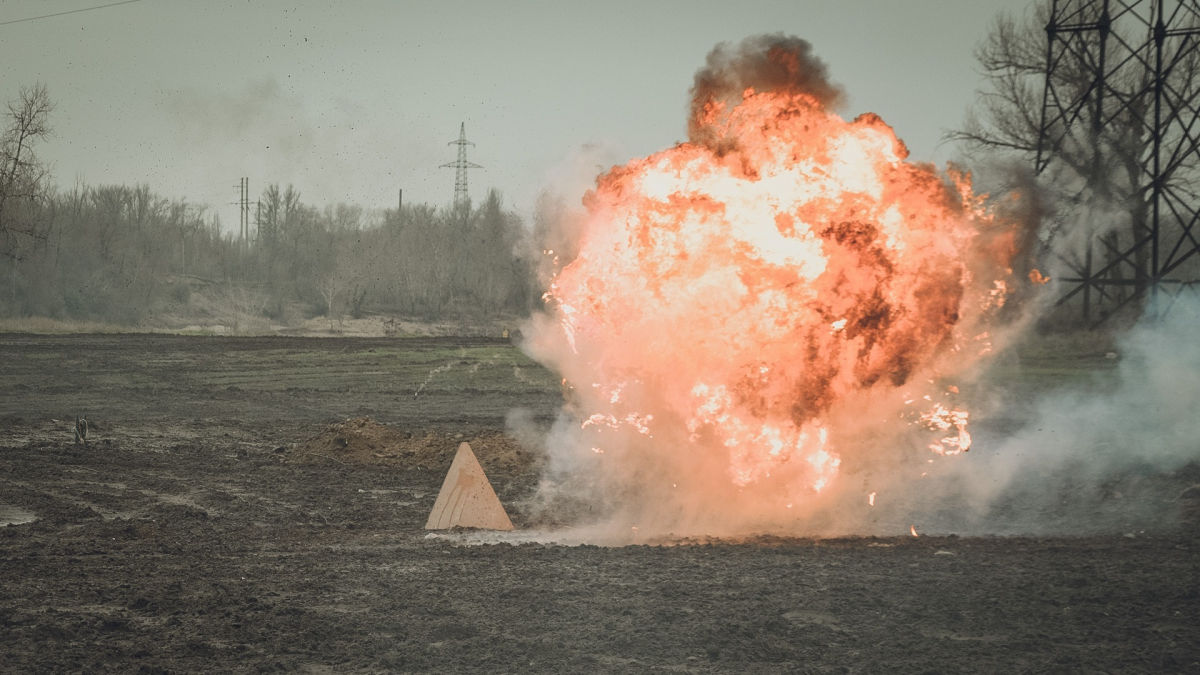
x=69 y=11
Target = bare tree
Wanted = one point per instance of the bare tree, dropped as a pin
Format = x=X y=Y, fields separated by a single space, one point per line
x=341 y=275
x=23 y=177
x=1094 y=174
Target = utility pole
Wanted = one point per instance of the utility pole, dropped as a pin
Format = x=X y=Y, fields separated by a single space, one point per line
x=246 y=211
x=241 y=225
x=244 y=214
x=460 y=166
x=243 y=204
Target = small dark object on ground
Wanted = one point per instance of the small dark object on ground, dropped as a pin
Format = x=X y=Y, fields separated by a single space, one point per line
x=81 y=430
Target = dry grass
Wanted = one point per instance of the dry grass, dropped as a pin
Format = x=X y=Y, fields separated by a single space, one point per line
x=388 y=326
x=47 y=326
x=246 y=325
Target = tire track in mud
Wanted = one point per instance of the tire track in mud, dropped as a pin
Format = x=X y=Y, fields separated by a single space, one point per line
x=99 y=496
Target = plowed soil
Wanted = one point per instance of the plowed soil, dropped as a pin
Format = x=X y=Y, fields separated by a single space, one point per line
x=257 y=504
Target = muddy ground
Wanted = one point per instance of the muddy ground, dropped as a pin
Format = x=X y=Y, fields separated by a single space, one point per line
x=212 y=525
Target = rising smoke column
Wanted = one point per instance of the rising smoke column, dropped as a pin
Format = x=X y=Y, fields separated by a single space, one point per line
x=757 y=320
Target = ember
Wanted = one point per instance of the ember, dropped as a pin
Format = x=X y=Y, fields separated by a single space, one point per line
x=750 y=312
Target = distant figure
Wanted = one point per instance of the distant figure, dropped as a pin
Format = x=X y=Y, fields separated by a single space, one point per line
x=81 y=429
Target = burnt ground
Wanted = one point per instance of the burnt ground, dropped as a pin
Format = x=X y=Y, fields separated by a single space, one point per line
x=195 y=534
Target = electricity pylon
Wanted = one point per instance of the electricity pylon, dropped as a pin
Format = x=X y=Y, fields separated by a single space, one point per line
x=1127 y=67
x=460 y=166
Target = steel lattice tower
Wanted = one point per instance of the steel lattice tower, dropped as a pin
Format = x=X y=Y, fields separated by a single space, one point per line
x=1122 y=99
x=460 y=166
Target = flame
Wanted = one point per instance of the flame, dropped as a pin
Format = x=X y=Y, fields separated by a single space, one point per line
x=912 y=529
x=1038 y=278
x=749 y=311
x=941 y=418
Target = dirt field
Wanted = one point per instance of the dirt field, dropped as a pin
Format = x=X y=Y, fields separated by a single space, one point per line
x=234 y=513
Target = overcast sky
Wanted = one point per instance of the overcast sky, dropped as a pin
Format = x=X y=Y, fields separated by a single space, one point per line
x=352 y=101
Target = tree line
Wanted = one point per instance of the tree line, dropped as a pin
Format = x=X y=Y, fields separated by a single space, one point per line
x=124 y=254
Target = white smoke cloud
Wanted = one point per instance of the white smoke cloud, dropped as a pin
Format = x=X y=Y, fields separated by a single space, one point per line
x=266 y=131
x=1109 y=454
x=262 y=115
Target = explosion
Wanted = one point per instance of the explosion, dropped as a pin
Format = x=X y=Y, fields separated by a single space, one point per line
x=768 y=318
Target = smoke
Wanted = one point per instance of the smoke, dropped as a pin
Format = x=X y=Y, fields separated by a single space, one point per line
x=764 y=63
x=754 y=327
x=261 y=115
x=557 y=216
x=1110 y=454
x=268 y=132
x=783 y=326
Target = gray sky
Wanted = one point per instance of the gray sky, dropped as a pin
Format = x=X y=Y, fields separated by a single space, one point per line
x=351 y=101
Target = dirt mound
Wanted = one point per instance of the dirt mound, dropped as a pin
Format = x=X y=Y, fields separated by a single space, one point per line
x=362 y=440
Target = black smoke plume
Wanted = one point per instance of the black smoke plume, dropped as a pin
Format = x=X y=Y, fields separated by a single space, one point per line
x=765 y=63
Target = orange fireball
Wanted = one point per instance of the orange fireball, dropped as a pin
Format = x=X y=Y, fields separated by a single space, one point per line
x=749 y=309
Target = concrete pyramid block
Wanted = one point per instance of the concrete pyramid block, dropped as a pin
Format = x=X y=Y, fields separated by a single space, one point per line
x=467 y=498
